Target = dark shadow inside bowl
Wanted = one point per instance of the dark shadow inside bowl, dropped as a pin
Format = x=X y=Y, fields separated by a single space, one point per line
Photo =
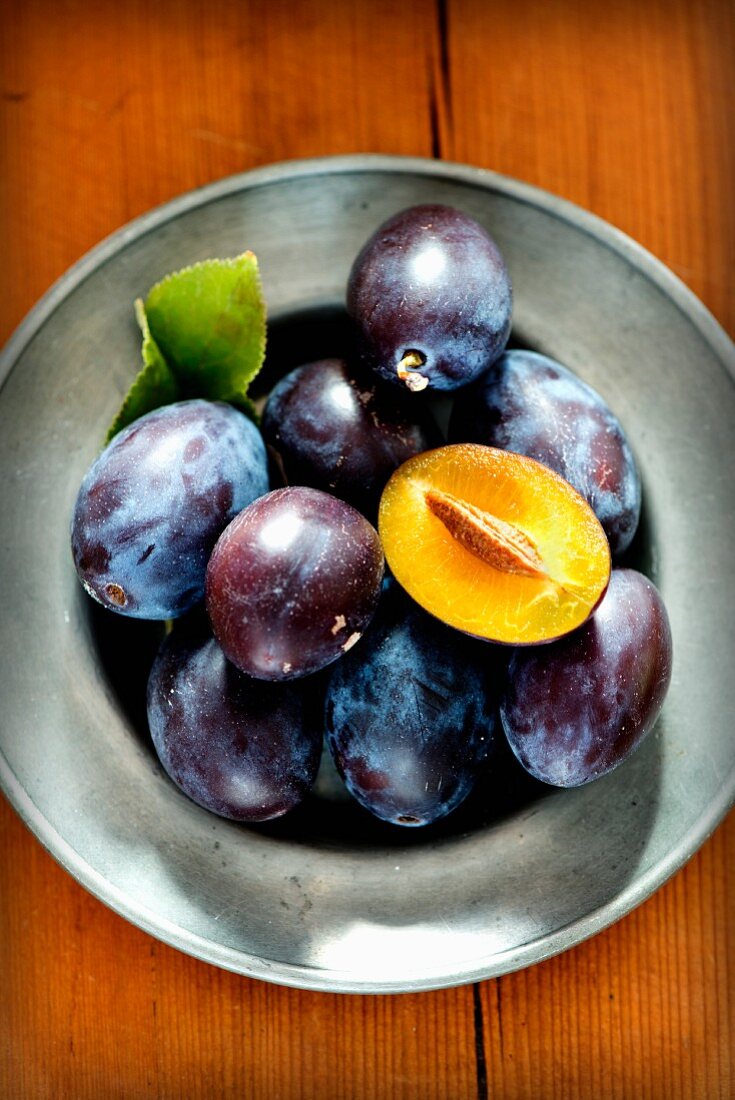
x=320 y=331
x=502 y=790
x=126 y=649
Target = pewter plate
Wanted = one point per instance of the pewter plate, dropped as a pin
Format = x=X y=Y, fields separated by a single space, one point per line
x=327 y=899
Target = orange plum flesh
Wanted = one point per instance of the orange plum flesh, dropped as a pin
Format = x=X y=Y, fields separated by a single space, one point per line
x=494 y=544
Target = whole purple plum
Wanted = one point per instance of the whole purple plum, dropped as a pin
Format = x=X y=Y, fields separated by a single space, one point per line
x=411 y=714
x=343 y=431
x=576 y=708
x=240 y=747
x=431 y=298
x=530 y=404
x=292 y=583
x=154 y=502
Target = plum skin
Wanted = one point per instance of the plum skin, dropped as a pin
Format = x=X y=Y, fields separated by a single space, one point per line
x=293 y=582
x=153 y=503
x=341 y=430
x=533 y=405
x=241 y=748
x=410 y=716
x=577 y=708
x=431 y=280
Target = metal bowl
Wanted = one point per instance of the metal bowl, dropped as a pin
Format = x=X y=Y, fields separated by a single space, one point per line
x=327 y=899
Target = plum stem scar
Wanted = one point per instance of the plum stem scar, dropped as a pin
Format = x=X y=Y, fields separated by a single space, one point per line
x=407 y=372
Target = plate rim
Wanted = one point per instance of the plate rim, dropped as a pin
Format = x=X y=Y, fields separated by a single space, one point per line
x=311 y=977
x=563 y=209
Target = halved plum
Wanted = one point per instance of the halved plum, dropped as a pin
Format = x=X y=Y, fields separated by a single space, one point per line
x=494 y=544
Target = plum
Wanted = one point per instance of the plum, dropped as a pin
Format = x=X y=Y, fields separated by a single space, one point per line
x=293 y=582
x=410 y=716
x=493 y=543
x=340 y=429
x=530 y=404
x=577 y=708
x=239 y=747
x=431 y=299
x=154 y=502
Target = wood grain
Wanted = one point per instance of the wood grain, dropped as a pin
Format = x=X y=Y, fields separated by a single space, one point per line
x=109 y=109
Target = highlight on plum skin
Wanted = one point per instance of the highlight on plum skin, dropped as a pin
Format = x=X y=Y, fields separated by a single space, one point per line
x=152 y=505
x=431 y=299
x=531 y=404
x=338 y=428
x=241 y=748
x=577 y=708
x=410 y=716
x=293 y=582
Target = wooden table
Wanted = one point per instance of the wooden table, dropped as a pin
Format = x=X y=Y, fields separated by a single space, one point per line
x=109 y=109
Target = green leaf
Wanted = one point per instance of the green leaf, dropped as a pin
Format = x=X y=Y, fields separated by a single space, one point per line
x=209 y=322
x=204 y=331
x=155 y=385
